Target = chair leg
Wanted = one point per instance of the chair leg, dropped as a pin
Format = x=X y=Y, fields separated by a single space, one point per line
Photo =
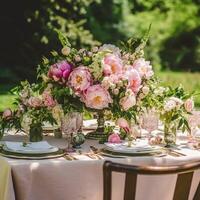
x=130 y=186
x=183 y=185
x=107 y=184
x=197 y=193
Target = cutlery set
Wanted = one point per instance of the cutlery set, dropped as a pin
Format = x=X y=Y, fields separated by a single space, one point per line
x=96 y=154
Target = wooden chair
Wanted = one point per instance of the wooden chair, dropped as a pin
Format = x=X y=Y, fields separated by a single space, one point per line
x=183 y=182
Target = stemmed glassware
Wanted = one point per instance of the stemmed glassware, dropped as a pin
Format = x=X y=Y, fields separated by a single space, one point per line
x=193 y=121
x=149 y=121
x=68 y=127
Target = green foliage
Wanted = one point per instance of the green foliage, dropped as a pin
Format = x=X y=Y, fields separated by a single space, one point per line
x=170 y=19
x=6 y=101
x=29 y=32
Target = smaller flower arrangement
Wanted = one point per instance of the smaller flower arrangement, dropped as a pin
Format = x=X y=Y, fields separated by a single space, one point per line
x=32 y=110
x=175 y=107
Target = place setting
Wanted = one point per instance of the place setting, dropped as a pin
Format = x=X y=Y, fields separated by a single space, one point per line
x=30 y=151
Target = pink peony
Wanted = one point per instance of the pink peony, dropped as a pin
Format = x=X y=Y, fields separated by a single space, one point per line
x=48 y=100
x=134 y=80
x=189 y=105
x=34 y=102
x=60 y=71
x=7 y=114
x=97 y=97
x=112 y=64
x=128 y=101
x=143 y=67
x=114 y=138
x=80 y=78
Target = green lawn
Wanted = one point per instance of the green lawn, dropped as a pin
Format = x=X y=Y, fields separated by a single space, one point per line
x=6 y=101
x=190 y=81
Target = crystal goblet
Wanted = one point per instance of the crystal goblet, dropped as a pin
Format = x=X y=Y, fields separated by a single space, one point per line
x=69 y=127
x=149 y=121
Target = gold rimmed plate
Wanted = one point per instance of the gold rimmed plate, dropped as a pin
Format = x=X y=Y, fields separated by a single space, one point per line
x=8 y=154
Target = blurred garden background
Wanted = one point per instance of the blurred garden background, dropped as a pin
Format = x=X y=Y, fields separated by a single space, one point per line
x=27 y=34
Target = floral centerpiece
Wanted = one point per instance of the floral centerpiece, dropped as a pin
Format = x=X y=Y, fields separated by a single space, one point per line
x=114 y=82
x=104 y=79
x=32 y=110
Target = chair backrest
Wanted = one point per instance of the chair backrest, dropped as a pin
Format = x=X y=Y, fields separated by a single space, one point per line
x=183 y=182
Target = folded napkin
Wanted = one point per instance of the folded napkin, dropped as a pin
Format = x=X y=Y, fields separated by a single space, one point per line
x=40 y=147
x=137 y=146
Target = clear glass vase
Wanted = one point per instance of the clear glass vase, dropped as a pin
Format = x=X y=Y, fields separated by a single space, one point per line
x=35 y=133
x=170 y=134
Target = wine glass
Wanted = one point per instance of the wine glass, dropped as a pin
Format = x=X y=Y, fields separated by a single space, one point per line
x=193 y=121
x=149 y=121
x=69 y=127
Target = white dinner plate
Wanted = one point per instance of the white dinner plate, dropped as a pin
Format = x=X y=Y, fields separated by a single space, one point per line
x=31 y=148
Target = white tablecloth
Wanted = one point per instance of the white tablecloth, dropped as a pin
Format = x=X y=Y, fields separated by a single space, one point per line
x=59 y=179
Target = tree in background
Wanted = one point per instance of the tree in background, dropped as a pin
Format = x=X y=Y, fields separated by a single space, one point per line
x=28 y=32
x=170 y=21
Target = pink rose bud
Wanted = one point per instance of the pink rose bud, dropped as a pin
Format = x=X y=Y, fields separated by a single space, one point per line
x=189 y=105
x=7 y=114
x=35 y=102
x=48 y=100
x=60 y=71
x=114 y=138
x=123 y=123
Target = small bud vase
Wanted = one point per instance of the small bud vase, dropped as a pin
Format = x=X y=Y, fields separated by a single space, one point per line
x=170 y=134
x=35 y=133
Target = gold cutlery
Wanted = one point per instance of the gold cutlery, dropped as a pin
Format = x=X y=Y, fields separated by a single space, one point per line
x=66 y=157
x=91 y=155
x=70 y=157
x=174 y=153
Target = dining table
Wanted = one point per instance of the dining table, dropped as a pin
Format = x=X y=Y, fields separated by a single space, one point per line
x=80 y=175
